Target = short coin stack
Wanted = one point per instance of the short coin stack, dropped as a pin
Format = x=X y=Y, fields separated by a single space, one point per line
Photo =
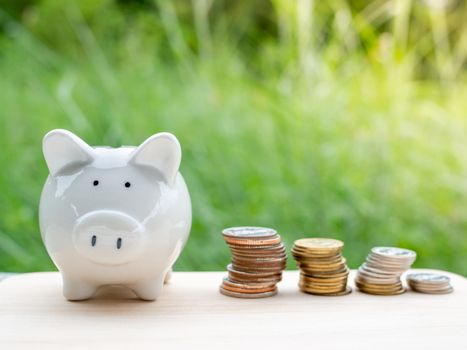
x=258 y=259
x=380 y=273
x=323 y=268
x=429 y=283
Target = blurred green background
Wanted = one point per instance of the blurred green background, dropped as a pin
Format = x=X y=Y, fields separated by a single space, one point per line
x=344 y=119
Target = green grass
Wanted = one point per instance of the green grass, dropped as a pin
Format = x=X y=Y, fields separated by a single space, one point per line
x=310 y=129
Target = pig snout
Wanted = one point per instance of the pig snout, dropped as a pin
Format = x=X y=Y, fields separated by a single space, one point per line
x=108 y=237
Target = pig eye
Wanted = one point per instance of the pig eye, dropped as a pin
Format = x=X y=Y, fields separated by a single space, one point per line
x=127 y=184
x=95 y=183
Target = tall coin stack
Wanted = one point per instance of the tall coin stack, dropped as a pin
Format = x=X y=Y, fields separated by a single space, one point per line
x=258 y=259
x=381 y=273
x=323 y=268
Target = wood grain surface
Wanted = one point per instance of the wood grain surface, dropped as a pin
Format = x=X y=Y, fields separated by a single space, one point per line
x=192 y=314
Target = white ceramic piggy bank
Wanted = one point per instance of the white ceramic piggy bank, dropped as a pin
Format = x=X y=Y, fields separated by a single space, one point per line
x=113 y=216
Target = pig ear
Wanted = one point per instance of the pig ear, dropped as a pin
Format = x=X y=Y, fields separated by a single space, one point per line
x=162 y=152
x=63 y=150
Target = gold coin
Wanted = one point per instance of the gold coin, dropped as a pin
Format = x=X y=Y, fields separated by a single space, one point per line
x=325 y=280
x=319 y=243
x=318 y=287
x=378 y=286
x=348 y=290
x=319 y=262
x=324 y=274
x=401 y=291
x=301 y=254
x=323 y=267
x=318 y=273
x=369 y=289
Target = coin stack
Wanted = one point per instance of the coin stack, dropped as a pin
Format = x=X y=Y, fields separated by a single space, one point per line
x=258 y=259
x=380 y=273
x=323 y=268
x=429 y=283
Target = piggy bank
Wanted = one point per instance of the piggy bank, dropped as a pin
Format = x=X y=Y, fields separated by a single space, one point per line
x=113 y=216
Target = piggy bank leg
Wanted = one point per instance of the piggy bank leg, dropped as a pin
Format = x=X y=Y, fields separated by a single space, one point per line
x=77 y=289
x=150 y=289
x=168 y=276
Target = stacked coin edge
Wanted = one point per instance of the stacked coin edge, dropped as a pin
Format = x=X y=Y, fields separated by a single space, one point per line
x=381 y=273
x=429 y=283
x=323 y=269
x=258 y=259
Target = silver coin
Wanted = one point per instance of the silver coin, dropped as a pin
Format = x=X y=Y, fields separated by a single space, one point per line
x=441 y=291
x=372 y=280
x=428 y=277
x=374 y=276
x=382 y=272
x=394 y=252
x=371 y=263
x=247 y=295
x=249 y=232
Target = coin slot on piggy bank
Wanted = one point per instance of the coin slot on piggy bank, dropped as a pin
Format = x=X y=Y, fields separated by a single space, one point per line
x=113 y=216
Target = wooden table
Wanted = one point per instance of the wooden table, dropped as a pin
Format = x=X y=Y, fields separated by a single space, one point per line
x=192 y=314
